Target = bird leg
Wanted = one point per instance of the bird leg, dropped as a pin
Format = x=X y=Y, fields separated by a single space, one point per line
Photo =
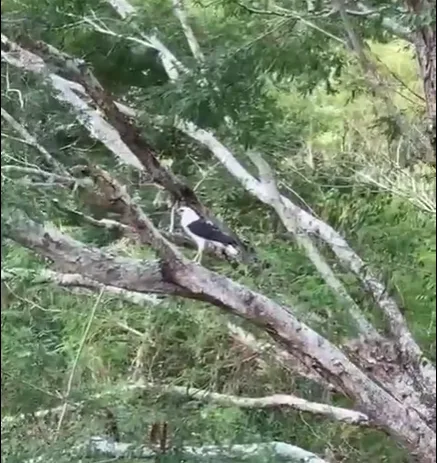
x=198 y=256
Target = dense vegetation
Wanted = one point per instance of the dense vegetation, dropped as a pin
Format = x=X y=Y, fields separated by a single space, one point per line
x=347 y=141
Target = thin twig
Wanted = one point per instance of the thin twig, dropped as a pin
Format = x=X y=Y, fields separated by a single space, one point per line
x=76 y=361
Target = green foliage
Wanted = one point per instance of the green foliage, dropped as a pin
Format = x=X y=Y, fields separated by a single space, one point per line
x=300 y=100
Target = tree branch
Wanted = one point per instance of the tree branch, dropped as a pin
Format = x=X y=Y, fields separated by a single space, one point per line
x=286 y=452
x=72 y=256
x=171 y=64
x=282 y=357
x=78 y=281
x=305 y=242
x=282 y=401
x=31 y=140
x=66 y=180
x=180 y=13
x=67 y=92
x=275 y=401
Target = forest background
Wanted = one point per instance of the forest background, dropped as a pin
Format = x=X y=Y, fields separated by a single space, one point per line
x=115 y=112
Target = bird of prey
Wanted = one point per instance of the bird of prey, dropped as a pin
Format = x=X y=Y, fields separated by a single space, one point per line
x=203 y=231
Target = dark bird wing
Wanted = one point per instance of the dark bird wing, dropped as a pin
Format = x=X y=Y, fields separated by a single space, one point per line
x=210 y=232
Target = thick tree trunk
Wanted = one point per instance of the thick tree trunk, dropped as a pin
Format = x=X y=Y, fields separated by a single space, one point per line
x=425 y=44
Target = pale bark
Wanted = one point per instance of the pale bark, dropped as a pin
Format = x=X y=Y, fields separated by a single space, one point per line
x=281 y=356
x=425 y=44
x=180 y=13
x=78 y=281
x=282 y=401
x=305 y=242
x=281 y=450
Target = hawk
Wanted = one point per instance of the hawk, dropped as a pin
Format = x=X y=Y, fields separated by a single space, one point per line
x=203 y=231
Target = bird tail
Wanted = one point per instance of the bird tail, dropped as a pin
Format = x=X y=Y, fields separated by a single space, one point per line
x=233 y=251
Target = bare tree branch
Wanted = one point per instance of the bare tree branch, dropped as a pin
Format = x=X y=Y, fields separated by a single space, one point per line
x=180 y=13
x=31 y=140
x=78 y=281
x=67 y=92
x=304 y=241
x=71 y=256
x=66 y=180
x=282 y=401
x=281 y=450
x=120 y=450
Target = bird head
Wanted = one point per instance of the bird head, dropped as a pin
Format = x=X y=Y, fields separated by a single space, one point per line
x=187 y=213
x=183 y=210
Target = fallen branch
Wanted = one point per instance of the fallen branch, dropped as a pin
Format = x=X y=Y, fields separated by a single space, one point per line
x=282 y=401
x=281 y=450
